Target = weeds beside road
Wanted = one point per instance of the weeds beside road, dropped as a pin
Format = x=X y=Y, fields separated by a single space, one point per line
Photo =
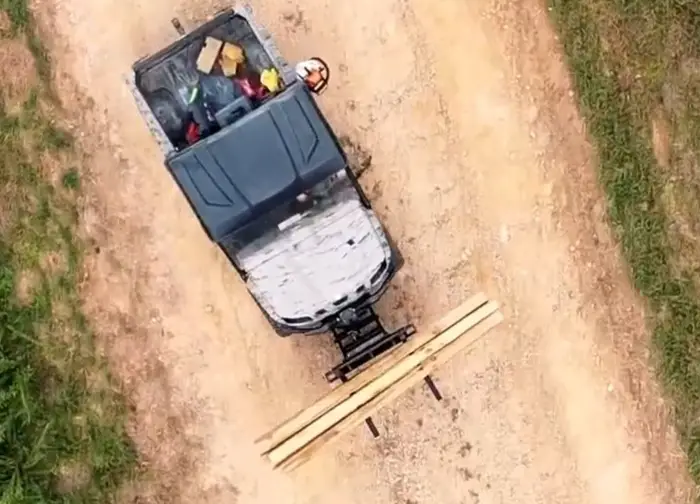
x=636 y=68
x=62 y=436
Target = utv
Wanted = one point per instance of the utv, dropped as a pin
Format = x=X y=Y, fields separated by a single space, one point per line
x=267 y=178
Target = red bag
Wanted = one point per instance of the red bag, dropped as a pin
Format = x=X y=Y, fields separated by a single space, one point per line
x=192 y=135
x=252 y=87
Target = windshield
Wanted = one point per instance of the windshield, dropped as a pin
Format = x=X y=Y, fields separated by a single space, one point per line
x=271 y=224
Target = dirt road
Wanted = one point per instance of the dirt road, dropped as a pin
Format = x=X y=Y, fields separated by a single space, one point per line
x=482 y=174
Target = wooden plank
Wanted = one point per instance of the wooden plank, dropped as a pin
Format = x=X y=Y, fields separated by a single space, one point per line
x=382 y=382
x=209 y=54
x=297 y=422
x=389 y=395
x=303 y=418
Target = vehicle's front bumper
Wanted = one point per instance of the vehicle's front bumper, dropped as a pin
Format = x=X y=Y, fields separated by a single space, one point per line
x=367 y=298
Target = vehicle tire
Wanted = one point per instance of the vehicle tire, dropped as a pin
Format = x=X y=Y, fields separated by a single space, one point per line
x=396 y=252
x=279 y=330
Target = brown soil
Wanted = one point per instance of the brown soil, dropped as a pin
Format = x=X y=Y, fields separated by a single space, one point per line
x=482 y=173
x=5 y=23
x=26 y=284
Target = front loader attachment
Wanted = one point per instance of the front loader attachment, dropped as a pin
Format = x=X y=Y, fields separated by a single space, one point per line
x=359 y=396
x=361 y=337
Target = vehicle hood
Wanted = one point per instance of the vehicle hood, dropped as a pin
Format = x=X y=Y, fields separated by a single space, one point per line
x=320 y=264
x=259 y=162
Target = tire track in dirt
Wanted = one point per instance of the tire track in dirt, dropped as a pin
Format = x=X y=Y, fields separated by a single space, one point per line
x=482 y=175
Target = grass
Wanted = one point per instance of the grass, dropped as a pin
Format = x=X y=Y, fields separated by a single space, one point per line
x=71 y=179
x=636 y=69
x=22 y=23
x=62 y=435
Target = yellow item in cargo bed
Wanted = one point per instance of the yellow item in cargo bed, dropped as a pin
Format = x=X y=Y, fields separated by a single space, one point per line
x=231 y=57
x=270 y=79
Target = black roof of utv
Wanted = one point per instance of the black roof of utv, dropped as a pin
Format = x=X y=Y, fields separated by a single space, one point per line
x=259 y=162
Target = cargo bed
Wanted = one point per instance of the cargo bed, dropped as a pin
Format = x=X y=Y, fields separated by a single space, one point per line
x=165 y=79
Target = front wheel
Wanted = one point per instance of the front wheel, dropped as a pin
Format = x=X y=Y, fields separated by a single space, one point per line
x=282 y=332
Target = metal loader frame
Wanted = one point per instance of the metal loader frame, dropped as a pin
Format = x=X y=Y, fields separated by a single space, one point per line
x=361 y=338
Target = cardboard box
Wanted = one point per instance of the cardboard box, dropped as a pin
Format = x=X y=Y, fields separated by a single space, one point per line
x=209 y=54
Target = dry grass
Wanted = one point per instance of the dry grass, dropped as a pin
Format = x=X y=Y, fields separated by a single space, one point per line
x=5 y=23
x=62 y=437
x=17 y=72
x=28 y=282
x=636 y=67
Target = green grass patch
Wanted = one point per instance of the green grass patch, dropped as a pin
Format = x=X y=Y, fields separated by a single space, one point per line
x=636 y=69
x=18 y=12
x=71 y=179
x=62 y=434
x=55 y=138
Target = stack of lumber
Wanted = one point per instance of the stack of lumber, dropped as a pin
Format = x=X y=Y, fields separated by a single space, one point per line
x=295 y=441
